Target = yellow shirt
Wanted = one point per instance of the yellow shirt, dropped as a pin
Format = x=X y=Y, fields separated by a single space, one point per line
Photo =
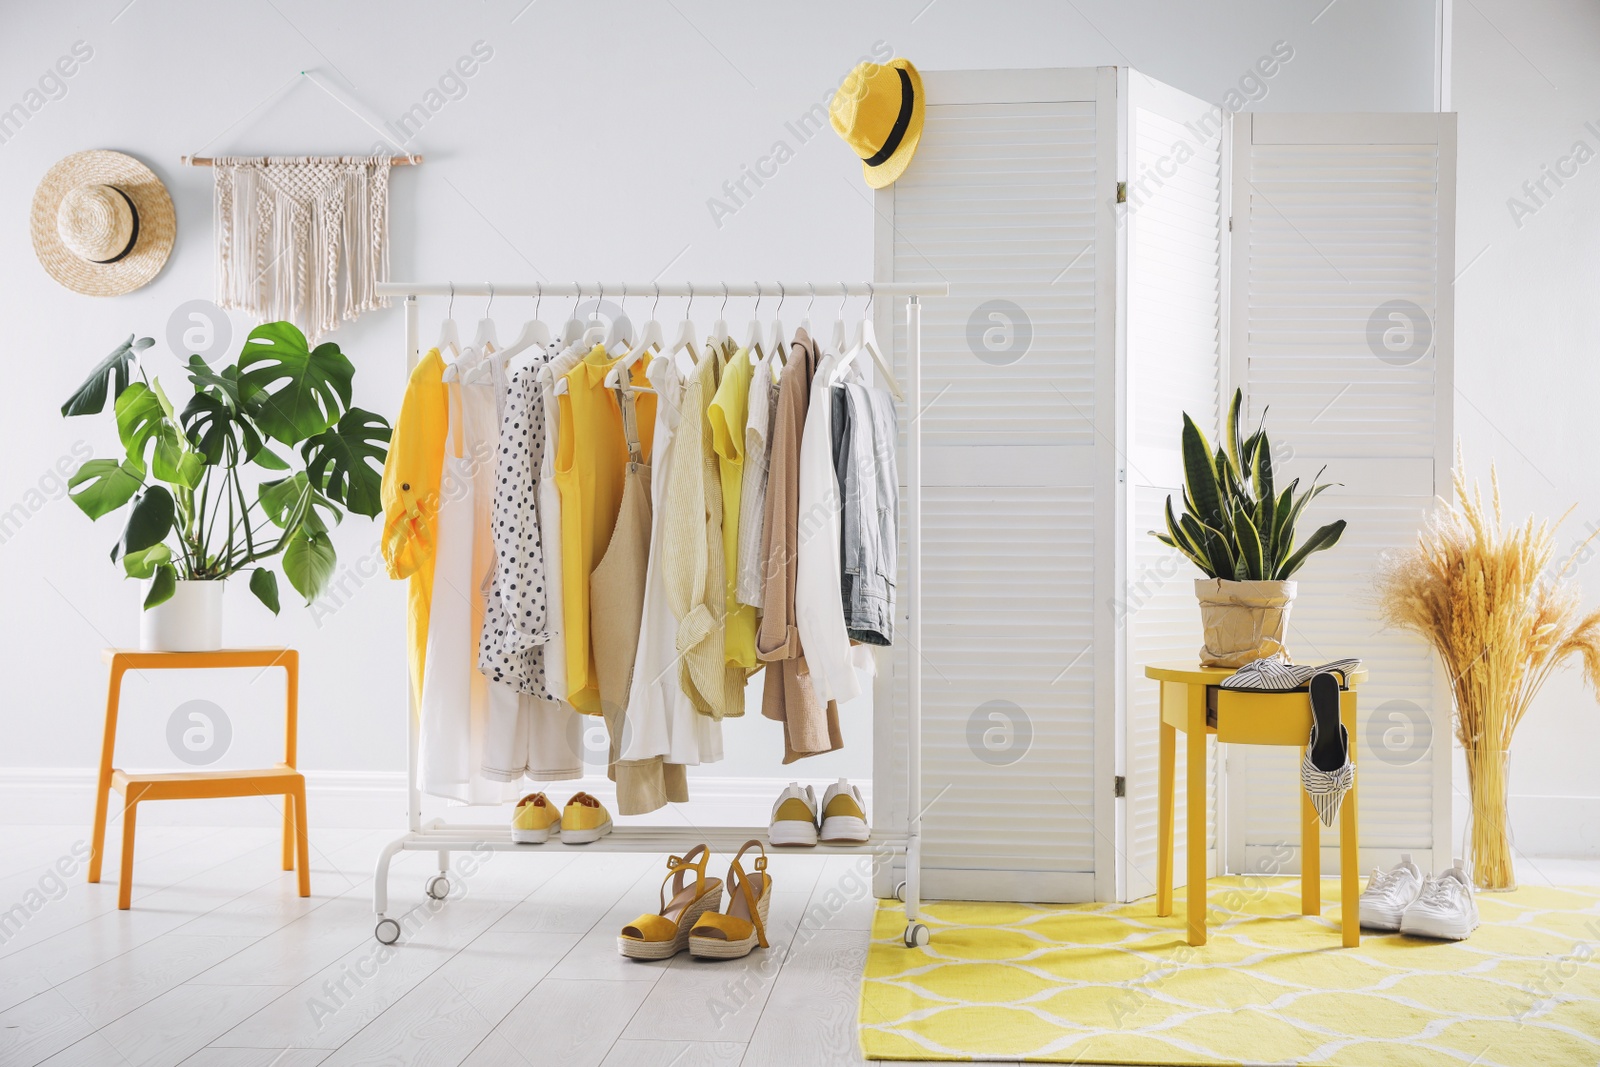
x=591 y=463
x=728 y=413
x=410 y=495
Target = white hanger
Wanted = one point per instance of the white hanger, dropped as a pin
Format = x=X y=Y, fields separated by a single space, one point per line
x=805 y=322
x=621 y=333
x=595 y=332
x=449 y=335
x=752 y=339
x=777 y=344
x=719 y=329
x=685 y=339
x=572 y=330
x=866 y=340
x=486 y=337
x=649 y=340
x=535 y=336
x=838 y=342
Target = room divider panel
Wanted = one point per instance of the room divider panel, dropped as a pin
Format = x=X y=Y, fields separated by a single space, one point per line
x=1119 y=252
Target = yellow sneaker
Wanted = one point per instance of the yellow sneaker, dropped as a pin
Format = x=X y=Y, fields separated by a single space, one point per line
x=844 y=815
x=534 y=820
x=584 y=820
x=794 y=817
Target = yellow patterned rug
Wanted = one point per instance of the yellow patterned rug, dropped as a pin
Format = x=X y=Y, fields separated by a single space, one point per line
x=1112 y=983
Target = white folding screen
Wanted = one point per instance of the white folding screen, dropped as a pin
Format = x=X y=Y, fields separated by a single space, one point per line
x=1172 y=254
x=1077 y=331
x=1006 y=203
x=1342 y=272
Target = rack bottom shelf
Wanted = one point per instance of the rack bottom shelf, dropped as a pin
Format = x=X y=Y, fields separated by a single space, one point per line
x=444 y=838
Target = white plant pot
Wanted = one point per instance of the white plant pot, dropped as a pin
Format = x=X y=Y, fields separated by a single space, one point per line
x=1242 y=621
x=190 y=621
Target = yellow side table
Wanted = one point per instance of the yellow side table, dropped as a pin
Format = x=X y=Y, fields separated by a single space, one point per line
x=282 y=780
x=1191 y=701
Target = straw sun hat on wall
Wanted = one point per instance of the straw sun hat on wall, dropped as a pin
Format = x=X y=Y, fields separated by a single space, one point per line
x=103 y=223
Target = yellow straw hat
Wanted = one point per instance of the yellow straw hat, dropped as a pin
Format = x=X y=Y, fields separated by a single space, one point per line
x=878 y=111
x=102 y=223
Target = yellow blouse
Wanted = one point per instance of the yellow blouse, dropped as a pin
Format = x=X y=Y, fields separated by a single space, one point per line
x=591 y=462
x=728 y=414
x=410 y=494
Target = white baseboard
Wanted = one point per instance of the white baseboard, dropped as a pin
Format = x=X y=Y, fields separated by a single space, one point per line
x=368 y=800
x=1543 y=825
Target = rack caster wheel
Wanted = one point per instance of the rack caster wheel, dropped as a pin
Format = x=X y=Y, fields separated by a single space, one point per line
x=900 y=892
x=438 y=887
x=916 y=935
x=387 y=931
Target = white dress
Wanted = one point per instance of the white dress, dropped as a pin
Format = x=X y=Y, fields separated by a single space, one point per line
x=455 y=694
x=819 y=609
x=660 y=719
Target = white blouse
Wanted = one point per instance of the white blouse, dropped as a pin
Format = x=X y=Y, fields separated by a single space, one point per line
x=819 y=609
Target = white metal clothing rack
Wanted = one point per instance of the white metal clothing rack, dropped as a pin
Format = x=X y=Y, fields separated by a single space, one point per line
x=444 y=838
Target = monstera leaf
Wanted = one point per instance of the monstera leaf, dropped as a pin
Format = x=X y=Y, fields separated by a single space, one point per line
x=90 y=397
x=346 y=461
x=148 y=523
x=292 y=390
x=292 y=501
x=104 y=485
x=308 y=562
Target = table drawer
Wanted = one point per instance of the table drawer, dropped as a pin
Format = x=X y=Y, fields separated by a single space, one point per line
x=1252 y=718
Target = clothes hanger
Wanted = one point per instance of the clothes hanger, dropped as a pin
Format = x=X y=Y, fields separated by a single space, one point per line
x=486 y=337
x=752 y=339
x=805 y=322
x=719 y=329
x=866 y=340
x=572 y=330
x=449 y=335
x=535 y=336
x=838 y=342
x=595 y=333
x=777 y=343
x=649 y=341
x=685 y=339
x=621 y=333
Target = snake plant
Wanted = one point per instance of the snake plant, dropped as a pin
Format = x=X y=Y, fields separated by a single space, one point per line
x=1235 y=524
x=192 y=515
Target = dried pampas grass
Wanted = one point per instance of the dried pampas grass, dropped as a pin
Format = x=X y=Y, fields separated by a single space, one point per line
x=1483 y=595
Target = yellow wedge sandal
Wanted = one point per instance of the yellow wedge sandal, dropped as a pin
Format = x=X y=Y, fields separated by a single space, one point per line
x=735 y=933
x=665 y=934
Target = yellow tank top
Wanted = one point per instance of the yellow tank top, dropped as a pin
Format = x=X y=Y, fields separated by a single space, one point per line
x=591 y=462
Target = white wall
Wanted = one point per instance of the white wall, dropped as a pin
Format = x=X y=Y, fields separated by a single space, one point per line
x=1527 y=335
x=590 y=144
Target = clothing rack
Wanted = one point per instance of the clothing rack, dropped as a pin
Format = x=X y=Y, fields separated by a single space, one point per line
x=444 y=838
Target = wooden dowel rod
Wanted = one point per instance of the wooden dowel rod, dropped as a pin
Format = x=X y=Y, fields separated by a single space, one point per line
x=208 y=161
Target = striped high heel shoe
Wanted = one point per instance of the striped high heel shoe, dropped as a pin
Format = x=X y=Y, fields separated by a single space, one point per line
x=1326 y=771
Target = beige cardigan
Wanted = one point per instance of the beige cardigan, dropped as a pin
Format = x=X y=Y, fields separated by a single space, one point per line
x=694 y=560
x=810 y=728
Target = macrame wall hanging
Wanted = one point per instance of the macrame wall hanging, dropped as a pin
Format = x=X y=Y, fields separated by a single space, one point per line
x=302 y=238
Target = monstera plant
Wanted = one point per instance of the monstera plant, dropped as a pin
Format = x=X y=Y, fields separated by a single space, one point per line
x=1238 y=527
x=193 y=512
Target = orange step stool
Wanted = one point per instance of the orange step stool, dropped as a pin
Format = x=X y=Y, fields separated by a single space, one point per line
x=282 y=780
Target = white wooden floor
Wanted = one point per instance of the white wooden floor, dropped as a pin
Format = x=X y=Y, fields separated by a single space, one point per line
x=220 y=963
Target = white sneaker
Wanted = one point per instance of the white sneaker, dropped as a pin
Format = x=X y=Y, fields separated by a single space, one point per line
x=1444 y=909
x=844 y=815
x=1389 y=893
x=794 y=817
